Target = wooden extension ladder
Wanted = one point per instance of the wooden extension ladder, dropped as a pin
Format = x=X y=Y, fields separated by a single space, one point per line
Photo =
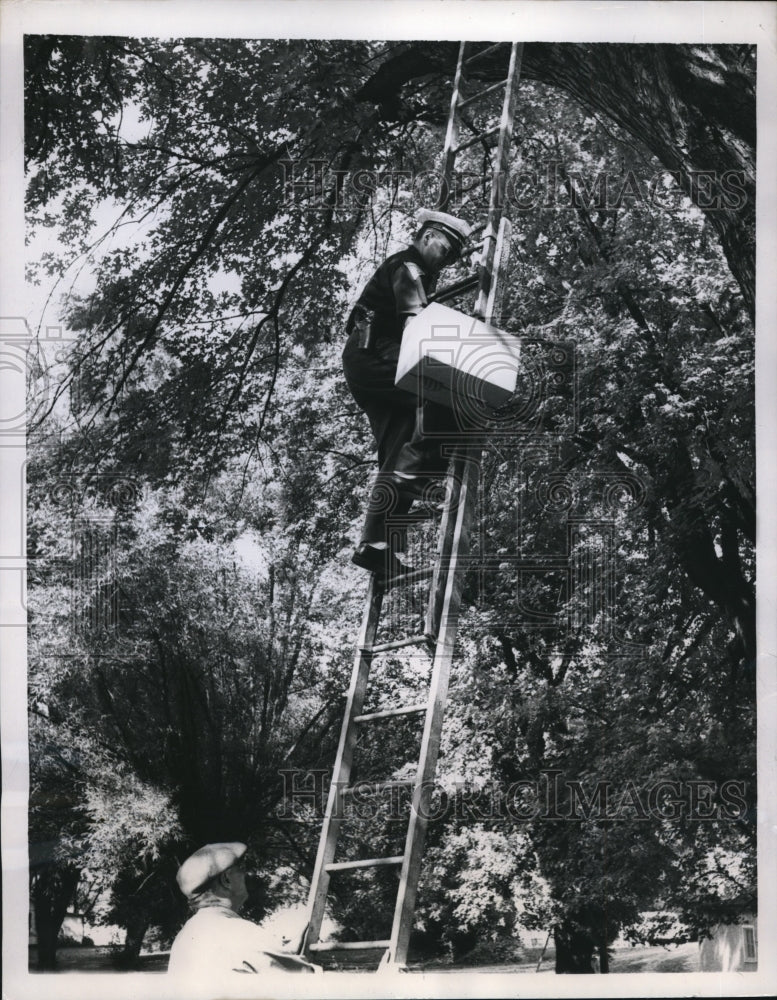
x=496 y=241
x=444 y=599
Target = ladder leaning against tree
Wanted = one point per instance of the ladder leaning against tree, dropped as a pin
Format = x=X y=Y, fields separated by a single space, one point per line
x=446 y=574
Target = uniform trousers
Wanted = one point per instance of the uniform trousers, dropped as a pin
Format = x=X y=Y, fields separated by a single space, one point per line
x=412 y=437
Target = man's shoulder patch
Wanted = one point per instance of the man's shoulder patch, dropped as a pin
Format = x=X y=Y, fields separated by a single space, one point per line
x=414 y=269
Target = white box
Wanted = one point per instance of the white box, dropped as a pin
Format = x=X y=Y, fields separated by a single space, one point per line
x=447 y=355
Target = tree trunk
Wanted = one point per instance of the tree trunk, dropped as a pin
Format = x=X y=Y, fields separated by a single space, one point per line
x=581 y=940
x=721 y=578
x=52 y=891
x=677 y=100
x=574 y=949
x=136 y=930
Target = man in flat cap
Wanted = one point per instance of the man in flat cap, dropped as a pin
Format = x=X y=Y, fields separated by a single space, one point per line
x=216 y=942
x=408 y=432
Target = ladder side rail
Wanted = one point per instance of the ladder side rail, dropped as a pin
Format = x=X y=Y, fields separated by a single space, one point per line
x=451 y=136
x=444 y=547
x=430 y=743
x=501 y=257
x=319 y=884
x=499 y=179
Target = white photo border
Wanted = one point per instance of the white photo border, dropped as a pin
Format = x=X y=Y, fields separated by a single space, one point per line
x=533 y=20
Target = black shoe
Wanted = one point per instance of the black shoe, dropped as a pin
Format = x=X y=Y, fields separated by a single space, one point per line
x=427 y=489
x=380 y=561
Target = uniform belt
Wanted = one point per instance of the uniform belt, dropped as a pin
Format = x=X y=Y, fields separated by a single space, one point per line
x=360 y=320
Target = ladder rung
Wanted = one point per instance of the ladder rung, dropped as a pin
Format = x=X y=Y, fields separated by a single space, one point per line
x=484 y=52
x=478 y=138
x=378 y=786
x=347 y=945
x=415 y=576
x=385 y=647
x=390 y=712
x=342 y=866
x=457 y=288
x=482 y=93
x=427 y=513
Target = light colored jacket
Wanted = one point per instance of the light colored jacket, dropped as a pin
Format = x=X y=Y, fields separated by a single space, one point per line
x=217 y=946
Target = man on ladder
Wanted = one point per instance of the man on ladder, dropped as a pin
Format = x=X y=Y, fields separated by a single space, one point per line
x=408 y=432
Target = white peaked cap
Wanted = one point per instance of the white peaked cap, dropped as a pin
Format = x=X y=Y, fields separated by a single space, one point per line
x=205 y=864
x=458 y=229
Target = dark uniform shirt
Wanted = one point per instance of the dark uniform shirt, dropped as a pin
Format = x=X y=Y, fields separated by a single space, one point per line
x=397 y=290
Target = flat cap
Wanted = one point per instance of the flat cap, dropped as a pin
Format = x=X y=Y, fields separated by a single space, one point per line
x=457 y=229
x=205 y=864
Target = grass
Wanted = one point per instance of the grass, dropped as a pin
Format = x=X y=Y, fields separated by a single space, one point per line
x=672 y=958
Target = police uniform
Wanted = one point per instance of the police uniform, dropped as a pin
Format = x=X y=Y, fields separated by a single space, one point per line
x=407 y=434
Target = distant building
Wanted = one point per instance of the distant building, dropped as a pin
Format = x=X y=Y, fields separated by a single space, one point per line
x=732 y=948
